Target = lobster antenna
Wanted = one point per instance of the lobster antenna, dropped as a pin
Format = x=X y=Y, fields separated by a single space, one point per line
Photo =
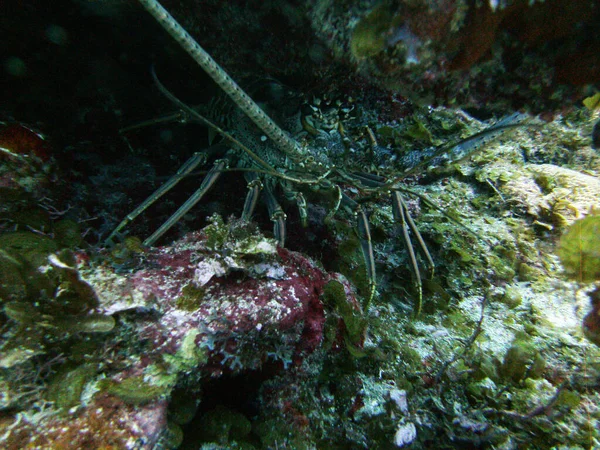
x=286 y=144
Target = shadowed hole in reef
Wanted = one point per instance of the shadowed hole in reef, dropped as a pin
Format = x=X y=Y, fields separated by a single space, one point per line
x=225 y=400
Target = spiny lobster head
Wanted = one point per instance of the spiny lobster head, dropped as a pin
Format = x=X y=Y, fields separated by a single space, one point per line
x=313 y=157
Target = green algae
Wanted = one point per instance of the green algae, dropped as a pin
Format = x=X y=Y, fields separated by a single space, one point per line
x=172 y=436
x=593 y=102
x=370 y=35
x=20 y=350
x=135 y=390
x=512 y=297
x=182 y=406
x=50 y=310
x=350 y=261
x=124 y=255
x=273 y=430
x=66 y=387
x=31 y=247
x=522 y=360
x=191 y=297
x=329 y=332
x=217 y=233
x=12 y=281
x=334 y=295
x=419 y=132
x=189 y=356
x=243 y=244
x=579 y=249
x=223 y=425
x=91 y=323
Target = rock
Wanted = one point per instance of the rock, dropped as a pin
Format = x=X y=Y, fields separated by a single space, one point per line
x=262 y=313
x=552 y=193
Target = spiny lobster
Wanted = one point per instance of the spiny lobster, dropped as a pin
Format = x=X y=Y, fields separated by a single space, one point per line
x=277 y=161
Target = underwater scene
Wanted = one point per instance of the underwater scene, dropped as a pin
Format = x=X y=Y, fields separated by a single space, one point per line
x=300 y=224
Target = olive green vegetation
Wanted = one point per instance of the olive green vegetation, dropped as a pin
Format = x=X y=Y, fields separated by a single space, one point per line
x=49 y=310
x=65 y=388
x=124 y=254
x=368 y=38
x=419 y=132
x=223 y=425
x=355 y=324
x=579 y=249
x=46 y=307
x=592 y=103
x=523 y=359
x=134 y=390
x=350 y=261
x=191 y=297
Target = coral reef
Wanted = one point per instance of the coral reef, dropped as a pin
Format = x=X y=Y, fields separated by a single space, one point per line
x=219 y=338
x=258 y=346
x=220 y=302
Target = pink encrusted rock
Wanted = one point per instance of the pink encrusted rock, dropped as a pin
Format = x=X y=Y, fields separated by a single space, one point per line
x=261 y=305
x=261 y=310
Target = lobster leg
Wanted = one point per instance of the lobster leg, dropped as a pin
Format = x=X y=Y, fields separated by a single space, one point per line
x=398 y=203
x=209 y=180
x=254 y=188
x=297 y=197
x=302 y=208
x=364 y=235
x=407 y=227
x=184 y=170
x=406 y=223
x=276 y=214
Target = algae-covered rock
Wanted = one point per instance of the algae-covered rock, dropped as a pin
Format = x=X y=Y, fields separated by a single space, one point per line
x=135 y=390
x=513 y=296
x=222 y=425
x=191 y=297
x=236 y=246
x=553 y=193
x=370 y=35
x=335 y=296
x=12 y=283
x=67 y=385
x=32 y=247
x=74 y=295
x=92 y=323
x=570 y=194
x=591 y=322
x=482 y=389
x=579 y=249
x=522 y=360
